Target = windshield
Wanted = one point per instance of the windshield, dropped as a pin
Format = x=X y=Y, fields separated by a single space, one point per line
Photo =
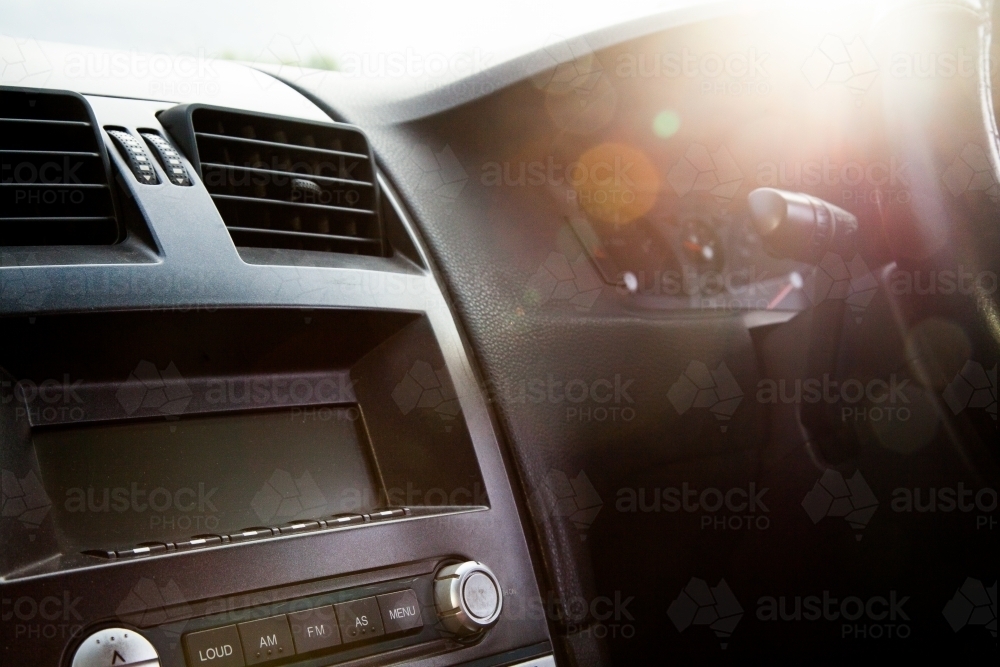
x=445 y=39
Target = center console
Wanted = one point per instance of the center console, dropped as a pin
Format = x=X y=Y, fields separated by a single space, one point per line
x=217 y=454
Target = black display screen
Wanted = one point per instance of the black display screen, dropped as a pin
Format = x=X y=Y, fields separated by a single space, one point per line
x=119 y=484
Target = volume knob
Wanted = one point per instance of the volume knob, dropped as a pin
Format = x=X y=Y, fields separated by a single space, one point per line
x=118 y=647
x=468 y=597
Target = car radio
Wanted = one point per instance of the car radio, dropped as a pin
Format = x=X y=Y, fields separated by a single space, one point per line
x=237 y=440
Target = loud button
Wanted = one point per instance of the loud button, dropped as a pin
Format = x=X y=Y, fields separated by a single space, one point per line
x=219 y=647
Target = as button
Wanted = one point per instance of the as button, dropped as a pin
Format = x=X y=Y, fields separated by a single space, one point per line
x=359 y=619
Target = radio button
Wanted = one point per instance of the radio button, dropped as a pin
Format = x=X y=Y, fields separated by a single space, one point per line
x=344 y=520
x=314 y=629
x=266 y=639
x=218 y=647
x=144 y=549
x=359 y=619
x=382 y=515
x=299 y=527
x=400 y=611
x=197 y=542
x=250 y=534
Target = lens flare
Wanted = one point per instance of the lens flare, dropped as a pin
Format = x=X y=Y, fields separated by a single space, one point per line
x=666 y=123
x=615 y=183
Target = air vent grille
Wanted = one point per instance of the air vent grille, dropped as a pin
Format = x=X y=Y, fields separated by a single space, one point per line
x=54 y=187
x=284 y=183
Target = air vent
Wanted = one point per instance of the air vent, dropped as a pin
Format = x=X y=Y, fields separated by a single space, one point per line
x=53 y=171
x=283 y=182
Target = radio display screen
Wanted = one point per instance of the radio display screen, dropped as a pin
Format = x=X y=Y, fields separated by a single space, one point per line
x=114 y=485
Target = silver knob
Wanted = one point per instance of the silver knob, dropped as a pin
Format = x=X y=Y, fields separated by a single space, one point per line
x=468 y=597
x=118 y=647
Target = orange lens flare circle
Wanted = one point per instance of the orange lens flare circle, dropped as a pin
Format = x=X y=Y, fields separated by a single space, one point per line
x=615 y=183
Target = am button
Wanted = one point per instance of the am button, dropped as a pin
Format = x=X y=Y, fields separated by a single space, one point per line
x=265 y=639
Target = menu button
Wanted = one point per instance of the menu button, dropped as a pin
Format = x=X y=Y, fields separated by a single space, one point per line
x=400 y=611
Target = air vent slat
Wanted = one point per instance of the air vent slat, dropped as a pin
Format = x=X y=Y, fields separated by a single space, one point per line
x=273 y=202
x=267 y=238
x=280 y=146
x=54 y=183
x=99 y=230
x=291 y=174
x=325 y=237
x=52 y=123
x=83 y=186
x=284 y=182
x=51 y=219
x=67 y=153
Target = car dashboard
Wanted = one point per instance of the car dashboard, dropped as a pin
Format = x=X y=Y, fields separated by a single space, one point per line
x=300 y=369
